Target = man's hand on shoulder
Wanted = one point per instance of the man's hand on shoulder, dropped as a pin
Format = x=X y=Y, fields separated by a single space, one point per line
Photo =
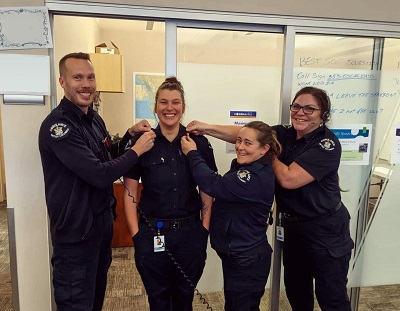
x=144 y=143
x=140 y=127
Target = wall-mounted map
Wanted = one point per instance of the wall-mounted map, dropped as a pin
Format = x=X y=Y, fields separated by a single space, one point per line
x=145 y=88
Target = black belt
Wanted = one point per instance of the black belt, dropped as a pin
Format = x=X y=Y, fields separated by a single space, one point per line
x=172 y=224
x=295 y=218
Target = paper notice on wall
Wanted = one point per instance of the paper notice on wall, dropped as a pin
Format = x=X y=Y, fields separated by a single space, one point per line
x=240 y=118
x=356 y=143
x=395 y=153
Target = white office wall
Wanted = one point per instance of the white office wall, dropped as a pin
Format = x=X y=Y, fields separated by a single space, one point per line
x=73 y=34
x=142 y=51
x=212 y=91
x=25 y=192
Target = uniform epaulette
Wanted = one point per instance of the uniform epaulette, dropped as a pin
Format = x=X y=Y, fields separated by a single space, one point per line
x=58 y=112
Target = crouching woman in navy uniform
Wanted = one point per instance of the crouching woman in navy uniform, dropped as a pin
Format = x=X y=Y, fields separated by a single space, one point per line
x=317 y=243
x=170 y=236
x=243 y=199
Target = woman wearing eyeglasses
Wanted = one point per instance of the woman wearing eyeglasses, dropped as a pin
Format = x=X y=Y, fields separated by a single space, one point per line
x=317 y=243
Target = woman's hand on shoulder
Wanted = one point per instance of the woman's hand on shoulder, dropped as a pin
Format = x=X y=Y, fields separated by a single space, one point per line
x=187 y=144
x=197 y=127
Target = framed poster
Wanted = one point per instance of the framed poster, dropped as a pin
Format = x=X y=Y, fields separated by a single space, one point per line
x=25 y=28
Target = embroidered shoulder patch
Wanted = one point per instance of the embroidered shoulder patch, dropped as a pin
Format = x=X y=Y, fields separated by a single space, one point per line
x=243 y=175
x=128 y=145
x=327 y=144
x=58 y=130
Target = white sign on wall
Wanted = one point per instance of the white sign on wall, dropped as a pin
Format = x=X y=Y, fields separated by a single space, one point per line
x=395 y=154
x=22 y=74
x=239 y=118
x=356 y=143
x=25 y=28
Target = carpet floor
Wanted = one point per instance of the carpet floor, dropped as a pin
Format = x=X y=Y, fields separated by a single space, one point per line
x=125 y=289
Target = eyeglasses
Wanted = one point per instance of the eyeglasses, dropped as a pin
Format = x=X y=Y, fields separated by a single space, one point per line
x=306 y=109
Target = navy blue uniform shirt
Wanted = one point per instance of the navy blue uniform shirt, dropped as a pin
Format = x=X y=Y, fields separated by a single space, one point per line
x=78 y=170
x=319 y=154
x=169 y=190
x=243 y=199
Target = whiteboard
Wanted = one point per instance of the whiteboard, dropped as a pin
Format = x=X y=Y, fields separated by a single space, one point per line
x=24 y=74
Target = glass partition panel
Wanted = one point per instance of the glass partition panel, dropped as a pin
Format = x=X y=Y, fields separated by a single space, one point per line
x=377 y=258
x=342 y=67
x=365 y=100
x=346 y=68
x=224 y=72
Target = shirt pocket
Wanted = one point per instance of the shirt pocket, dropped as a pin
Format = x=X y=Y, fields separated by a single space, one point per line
x=155 y=171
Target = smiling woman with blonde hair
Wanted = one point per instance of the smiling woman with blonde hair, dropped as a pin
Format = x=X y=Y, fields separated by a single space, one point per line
x=174 y=216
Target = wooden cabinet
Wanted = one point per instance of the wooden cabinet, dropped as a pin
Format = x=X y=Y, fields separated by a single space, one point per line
x=109 y=72
x=122 y=236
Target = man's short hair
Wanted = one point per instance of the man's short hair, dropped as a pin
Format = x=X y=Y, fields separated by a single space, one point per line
x=78 y=55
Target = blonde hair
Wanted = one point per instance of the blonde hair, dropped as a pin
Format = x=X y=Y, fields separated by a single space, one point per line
x=171 y=84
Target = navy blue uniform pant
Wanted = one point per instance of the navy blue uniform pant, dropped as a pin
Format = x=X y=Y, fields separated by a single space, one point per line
x=169 y=287
x=245 y=276
x=318 y=250
x=80 y=269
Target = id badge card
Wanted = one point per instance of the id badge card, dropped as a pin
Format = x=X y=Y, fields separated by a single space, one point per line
x=280 y=233
x=159 y=243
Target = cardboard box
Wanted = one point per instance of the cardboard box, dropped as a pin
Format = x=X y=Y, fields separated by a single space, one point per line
x=102 y=48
